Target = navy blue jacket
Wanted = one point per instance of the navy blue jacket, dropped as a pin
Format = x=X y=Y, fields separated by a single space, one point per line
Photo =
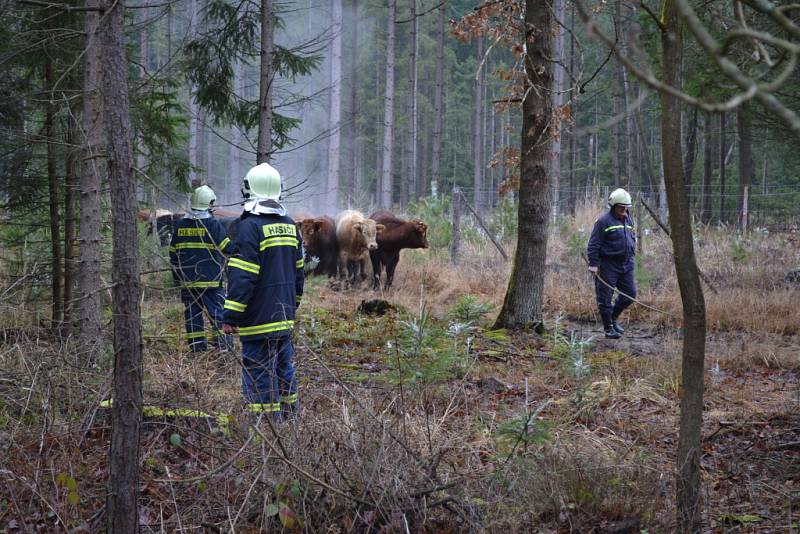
x=195 y=252
x=265 y=277
x=612 y=240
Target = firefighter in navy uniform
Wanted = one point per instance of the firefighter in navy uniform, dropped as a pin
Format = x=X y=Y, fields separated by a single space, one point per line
x=265 y=284
x=611 y=252
x=196 y=255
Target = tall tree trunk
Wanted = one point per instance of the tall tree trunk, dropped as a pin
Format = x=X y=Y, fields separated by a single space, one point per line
x=235 y=174
x=123 y=477
x=694 y=313
x=722 y=158
x=264 y=147
x=352 y=167
x=620 y=109
x=388 y=111
x=477 y=135
x=412 y=104
x=92 y=172
x=70 y=226
x=194 y=110
x=559 y=82
x=524 y=298
x=54 y=189
x=335 y=117
x=746 y=167
x=573 y=181
x=708 y=169
x=691 y=149
x=438 y=94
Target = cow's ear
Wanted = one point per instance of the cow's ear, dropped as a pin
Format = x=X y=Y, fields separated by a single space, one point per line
x=317 y=225
x=358 y=226
x=379 y=228
x=422 y=226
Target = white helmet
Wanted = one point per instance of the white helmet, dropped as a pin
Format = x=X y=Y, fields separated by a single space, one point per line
x=203 y=198
x=619 y=196
x=262 y=181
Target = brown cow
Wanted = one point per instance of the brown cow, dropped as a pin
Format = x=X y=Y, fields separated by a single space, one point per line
x=397 y=234
x=319 y=241
x=356 y=236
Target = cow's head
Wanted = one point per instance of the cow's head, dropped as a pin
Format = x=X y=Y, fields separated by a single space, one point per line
x=370 y=230
x=420 y=234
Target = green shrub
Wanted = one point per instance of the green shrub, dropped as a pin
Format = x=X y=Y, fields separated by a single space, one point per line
x=435 y=212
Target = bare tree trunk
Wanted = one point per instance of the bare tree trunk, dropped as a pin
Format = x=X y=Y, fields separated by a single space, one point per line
x=722 y=150
x=708 y=169
x=235 y=174
x=746 y=167
x=573 y=182
x=477 y=140
x=123 y=487
x=691 y=149
x=694 y=314
x=264 y=147
x=70 y=227
x=92 y=172
x=388 y=112
x=559 y=80
x=352 y=166
x=412 y=104
x=194 y=110
x=438 y=93
x=522 y=306
x=335 y=117
x=53 y=187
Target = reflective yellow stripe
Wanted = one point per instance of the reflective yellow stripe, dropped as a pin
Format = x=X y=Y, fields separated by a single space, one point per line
x=172 y=249
x=267 y=407
x=278 y=242
x=299 y=263
x=194 y=335
x=194 y=244
x=213 y=283
x=245 y=265
x=289 y=399
x=615 y=227
x=222 y=419
x=235 y=306
x=266 y=328
x=224 y=243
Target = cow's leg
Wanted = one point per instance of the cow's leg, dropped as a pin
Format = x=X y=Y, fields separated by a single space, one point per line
x=362 y=266
x=391 y=265
x=375 y=259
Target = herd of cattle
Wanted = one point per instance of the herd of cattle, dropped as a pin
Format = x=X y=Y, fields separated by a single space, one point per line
x=335 y=247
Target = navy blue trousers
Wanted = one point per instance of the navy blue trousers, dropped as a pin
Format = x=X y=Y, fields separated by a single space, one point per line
x=196 y=302
x=268 y=380
x=620 y=276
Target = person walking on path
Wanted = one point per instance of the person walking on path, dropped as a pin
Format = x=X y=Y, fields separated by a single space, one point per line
x=196 y=255
x=265 y=284
x=611 y=251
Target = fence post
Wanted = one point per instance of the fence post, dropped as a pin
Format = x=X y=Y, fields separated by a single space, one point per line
x=745 y=209
x=455 y=206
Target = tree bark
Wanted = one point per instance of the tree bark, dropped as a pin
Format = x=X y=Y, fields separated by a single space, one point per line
x=194 y=110
x=54 y=189
x=694 y=314
x=691 y=149
x=477 y=135
x=264 y=147
x=438 y=94
x=522 y=306
x=559 y=83
x=235 y=174
x=70 y=227
x=92 y=172
x=708 y=169
x=351 y=180
x=123 y=487
x=746 y=167
x=335 y=117
x=722 y=150
x=388 y=112
x=412 y=104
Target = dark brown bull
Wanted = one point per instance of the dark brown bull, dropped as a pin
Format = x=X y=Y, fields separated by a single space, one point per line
x=397 y=234
x=319 y=241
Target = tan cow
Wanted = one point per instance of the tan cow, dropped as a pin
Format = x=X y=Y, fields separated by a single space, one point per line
x=356 y=236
